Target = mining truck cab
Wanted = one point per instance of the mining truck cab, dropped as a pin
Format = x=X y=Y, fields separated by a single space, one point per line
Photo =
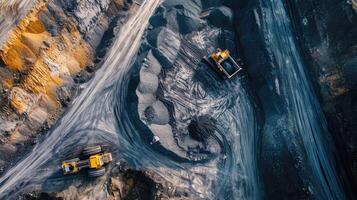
x=223 y=63
x=94 y=162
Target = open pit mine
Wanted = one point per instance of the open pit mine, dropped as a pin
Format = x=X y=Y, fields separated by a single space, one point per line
x=178 y=99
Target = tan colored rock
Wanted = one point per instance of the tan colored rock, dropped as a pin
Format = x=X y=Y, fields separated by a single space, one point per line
x=48 y=103
x=119 y=2
x=70 y=63
x=116 y=184
x=69 y=194
x=354 y=5
x=24 y=130
x=6 y=78
x=17 y=137
x=334 y=83
x=15 y=57
x=37 y=117
x=39 y=57
x=130 y=182
x=35 y=41
x=20 y=100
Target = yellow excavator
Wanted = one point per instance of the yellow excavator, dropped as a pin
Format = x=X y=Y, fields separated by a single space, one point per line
x=223 y=63
x=96 y=159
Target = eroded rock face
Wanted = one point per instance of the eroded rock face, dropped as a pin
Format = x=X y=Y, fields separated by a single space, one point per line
x=21 y=101
x=91 y=17
x=45 y=57
x=87 y=12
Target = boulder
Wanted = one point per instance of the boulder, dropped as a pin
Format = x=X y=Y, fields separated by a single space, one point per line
x=116 y=184
x=7 y=126
x=20 y=100
x=188 y=22
x=221 y=16
x=37 y=117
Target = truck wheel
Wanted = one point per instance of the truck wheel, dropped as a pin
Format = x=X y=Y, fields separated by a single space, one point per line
x=96 y=172
x=88 y=151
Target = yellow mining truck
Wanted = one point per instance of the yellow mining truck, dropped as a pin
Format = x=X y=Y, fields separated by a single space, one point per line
x=96 y=159
x=223 y=63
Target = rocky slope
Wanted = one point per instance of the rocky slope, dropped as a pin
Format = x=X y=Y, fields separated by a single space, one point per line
x=328 y=41
x=47 y=55
x=325 y=34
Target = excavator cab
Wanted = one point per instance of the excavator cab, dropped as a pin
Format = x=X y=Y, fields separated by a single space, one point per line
x=223 y=63
x=69 y=167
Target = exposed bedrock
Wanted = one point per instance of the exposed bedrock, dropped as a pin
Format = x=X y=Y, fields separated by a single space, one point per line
x=93 y=17
x=47 y=55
